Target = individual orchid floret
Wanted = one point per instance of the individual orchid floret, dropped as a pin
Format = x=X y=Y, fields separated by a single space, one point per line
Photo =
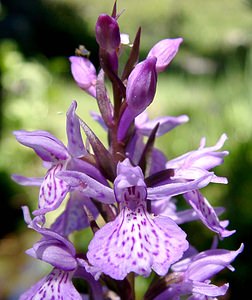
x=195 y=163
x=192 y=275
x=135 y=241
x=56 y=156
x=165 y=50
x=84 y=74
x=107 y=33
x=140 y=91
x=52 y=248
x=60 y=253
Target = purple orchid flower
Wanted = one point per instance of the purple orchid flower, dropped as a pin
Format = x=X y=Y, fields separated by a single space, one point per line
x=134 y=241
x=60 y=253
x=57 y=157
x=191 y=276
x=191 y=166
x=194 y=163
x=129 y=184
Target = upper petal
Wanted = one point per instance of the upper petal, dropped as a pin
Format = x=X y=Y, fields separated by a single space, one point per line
x=208 y=263
x=166 y=124
x=165 y=50
x=75 y=143
x=176 y=188
x=48 y=147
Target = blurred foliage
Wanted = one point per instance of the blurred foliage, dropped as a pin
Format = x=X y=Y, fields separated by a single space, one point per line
x=210 y=80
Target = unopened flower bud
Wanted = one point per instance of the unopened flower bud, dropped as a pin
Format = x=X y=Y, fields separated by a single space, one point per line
x=165 y=51
x=84 y=74
x=107 y=33
x=141 y=86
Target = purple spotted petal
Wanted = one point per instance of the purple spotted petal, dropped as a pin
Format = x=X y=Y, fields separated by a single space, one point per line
x=134 y=242
x=165 y=124
x=75 y=144
x=57 y=285
x=52 y=191
x=29 y=181
x=74 y=217
x=165 y=50
x=48 y=147
x=84 y=74
x=207 y=214
x=89 y=186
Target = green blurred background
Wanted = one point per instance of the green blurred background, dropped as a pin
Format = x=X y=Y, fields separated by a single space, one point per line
x=210 y=80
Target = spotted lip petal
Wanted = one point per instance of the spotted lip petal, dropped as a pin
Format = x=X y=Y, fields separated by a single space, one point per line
x=52 y=191
x=57 y=285
x=134 y=242
x=207 y=214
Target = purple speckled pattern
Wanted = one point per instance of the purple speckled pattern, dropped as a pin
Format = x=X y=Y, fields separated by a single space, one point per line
x=52 y=191
x=55 y=286
x=135 y=241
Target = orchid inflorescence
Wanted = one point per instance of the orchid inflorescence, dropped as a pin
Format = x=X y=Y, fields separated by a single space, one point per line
x=129 y=185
